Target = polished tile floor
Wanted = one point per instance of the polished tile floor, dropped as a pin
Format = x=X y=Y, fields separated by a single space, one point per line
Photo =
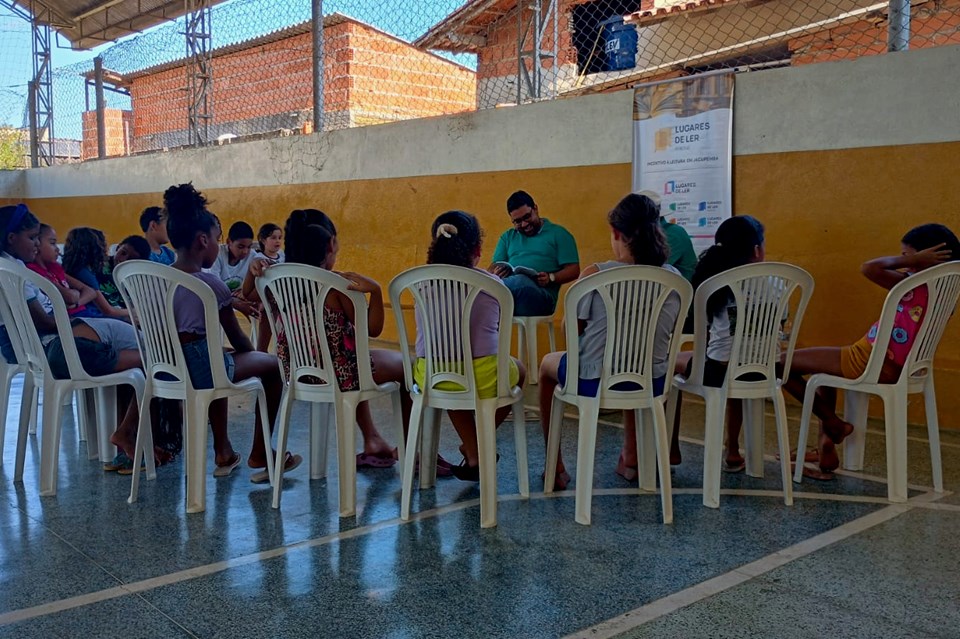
x=840 y=562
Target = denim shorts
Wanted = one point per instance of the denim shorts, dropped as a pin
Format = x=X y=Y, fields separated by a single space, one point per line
x=198 y=364
x=589 y=387
x=98 y=359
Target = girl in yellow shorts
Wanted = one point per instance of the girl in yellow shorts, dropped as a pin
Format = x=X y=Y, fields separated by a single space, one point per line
x=922 y=247
x=457 y=240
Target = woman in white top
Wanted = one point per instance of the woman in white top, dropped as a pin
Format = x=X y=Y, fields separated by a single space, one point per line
x=636 y=238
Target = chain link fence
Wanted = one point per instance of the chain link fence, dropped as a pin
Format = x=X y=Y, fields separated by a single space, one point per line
x=404 y=59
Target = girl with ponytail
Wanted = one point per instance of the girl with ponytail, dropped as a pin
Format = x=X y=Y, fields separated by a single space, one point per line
x=636 y=238
x=311 y=239
x=738 y=241
x=195 y=235
x=456 y=239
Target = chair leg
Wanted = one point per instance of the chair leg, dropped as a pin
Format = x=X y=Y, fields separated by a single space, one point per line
x=805 y=414
x=895 y=416
x=265 y=428
x=662 y=438
x=933 y=434
x=429 y=447
x=530 y=330
x=197 y=410
x=713 y=447
x=395 y=400
x=646 y=452
x=34 y=405
x=106 y=421
x=88 y=425
x=487 y=445
x=5 y=390
x=346 y=416
x=671 y=407
x=551 y=336
x=753 y=436
x=586 y=453
x=320 y=433
x=143 y=445
x=50 y=440
x=28 y=412
x=855 y=409
x=520 y=446
x=283 y=428
x=413 y=439
x=553 y=445
x=783 y=443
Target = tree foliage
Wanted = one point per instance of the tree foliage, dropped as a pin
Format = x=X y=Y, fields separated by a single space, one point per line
x=11 y=149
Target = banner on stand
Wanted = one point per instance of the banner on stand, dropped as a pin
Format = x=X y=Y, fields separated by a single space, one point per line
x=682 y=150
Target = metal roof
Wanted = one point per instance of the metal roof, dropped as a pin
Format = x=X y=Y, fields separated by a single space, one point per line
x=90 y=23
x=464 y=30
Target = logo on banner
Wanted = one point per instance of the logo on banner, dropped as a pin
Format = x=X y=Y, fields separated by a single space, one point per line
x=674 y=187
x=663 y=139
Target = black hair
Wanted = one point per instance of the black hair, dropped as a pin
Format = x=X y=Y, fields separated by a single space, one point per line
x=139 y=244
x=320 y=239
x=187 y=215
x=84 y=247
x=637 y=218
x=461 y=247
x=150 y=214
x=239 y=231
x=736 y=242
x=267 y=230
x=296 y=245
x=44 y=228
x=9 y=222
x=518 y=199
x=929 y=235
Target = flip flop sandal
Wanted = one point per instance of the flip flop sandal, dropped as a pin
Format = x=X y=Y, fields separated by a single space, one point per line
x=372 y=461
x=119 y=462
x=733 y=468
x=226 y=469
x=290 y=462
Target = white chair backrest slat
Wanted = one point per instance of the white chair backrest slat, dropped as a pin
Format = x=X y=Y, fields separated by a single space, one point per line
x=444 y=299
x=633 y=298
x=150 y=292
x=762 y=294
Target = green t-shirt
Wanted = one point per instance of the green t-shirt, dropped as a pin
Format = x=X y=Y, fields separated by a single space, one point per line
x=548 y=251
x=682 y=256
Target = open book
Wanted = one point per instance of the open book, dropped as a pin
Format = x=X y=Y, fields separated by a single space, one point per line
x=517 y=270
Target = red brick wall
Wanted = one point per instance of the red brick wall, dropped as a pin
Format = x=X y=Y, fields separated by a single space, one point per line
x=394 y=81
x=932 y=24
x=499 y=57
x=116 y=134
x=364 y=71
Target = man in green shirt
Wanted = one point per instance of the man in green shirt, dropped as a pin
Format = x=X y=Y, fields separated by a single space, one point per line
x=546 y=250
x=682 y=256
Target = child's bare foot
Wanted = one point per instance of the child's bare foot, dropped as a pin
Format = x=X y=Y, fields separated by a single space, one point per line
x=829 y=460
x=675 y=457
x=561 y=481
x=377 y=447
x=626 y=469
x=124 y=442
x=837 y=429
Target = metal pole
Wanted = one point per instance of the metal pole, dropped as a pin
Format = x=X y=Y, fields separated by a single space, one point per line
x=898 y=29
x=101 y=119
x=34 y=138
x=318 y=74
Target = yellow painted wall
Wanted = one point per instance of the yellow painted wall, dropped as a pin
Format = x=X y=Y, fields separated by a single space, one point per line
x=827 y=211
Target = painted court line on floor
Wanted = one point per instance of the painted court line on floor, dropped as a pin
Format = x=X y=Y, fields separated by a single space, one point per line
x=137 y=587
x=671 y=603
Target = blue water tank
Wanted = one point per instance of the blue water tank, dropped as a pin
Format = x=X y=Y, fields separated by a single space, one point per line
x=620 y=43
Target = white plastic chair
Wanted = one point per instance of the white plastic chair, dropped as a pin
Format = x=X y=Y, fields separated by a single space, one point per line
x=527 y=340
x=29 y=399
x=943 y=287
x=762 y=294
x=633 y=297
x=444 y=297
x=297 y=294
x=12 y=277
x=148 y=289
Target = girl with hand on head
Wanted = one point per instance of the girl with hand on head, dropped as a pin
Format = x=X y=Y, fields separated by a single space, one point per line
x=636 y=238
x=195 y=235
x=922 y=247
x=312 y=240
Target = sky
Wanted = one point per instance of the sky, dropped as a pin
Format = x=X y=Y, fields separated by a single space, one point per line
x=232 y=21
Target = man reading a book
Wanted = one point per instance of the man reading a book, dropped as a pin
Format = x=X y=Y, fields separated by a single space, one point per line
x=534 y=258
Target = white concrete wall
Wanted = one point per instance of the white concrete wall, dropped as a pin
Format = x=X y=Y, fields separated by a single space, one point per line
x=904 y=98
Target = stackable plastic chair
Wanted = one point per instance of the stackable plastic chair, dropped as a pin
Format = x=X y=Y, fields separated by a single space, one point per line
x=762 y=293
x=28 y=401
x=148 y=289
x=943 y=287
x=444 y=297
x=297 y=294
x=527 y=340
x=12 y=278
x=633 y=297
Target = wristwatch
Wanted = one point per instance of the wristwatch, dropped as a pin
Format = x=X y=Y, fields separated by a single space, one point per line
x=552 y=277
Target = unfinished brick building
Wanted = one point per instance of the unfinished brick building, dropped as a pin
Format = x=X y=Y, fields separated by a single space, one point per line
x=265 y=85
